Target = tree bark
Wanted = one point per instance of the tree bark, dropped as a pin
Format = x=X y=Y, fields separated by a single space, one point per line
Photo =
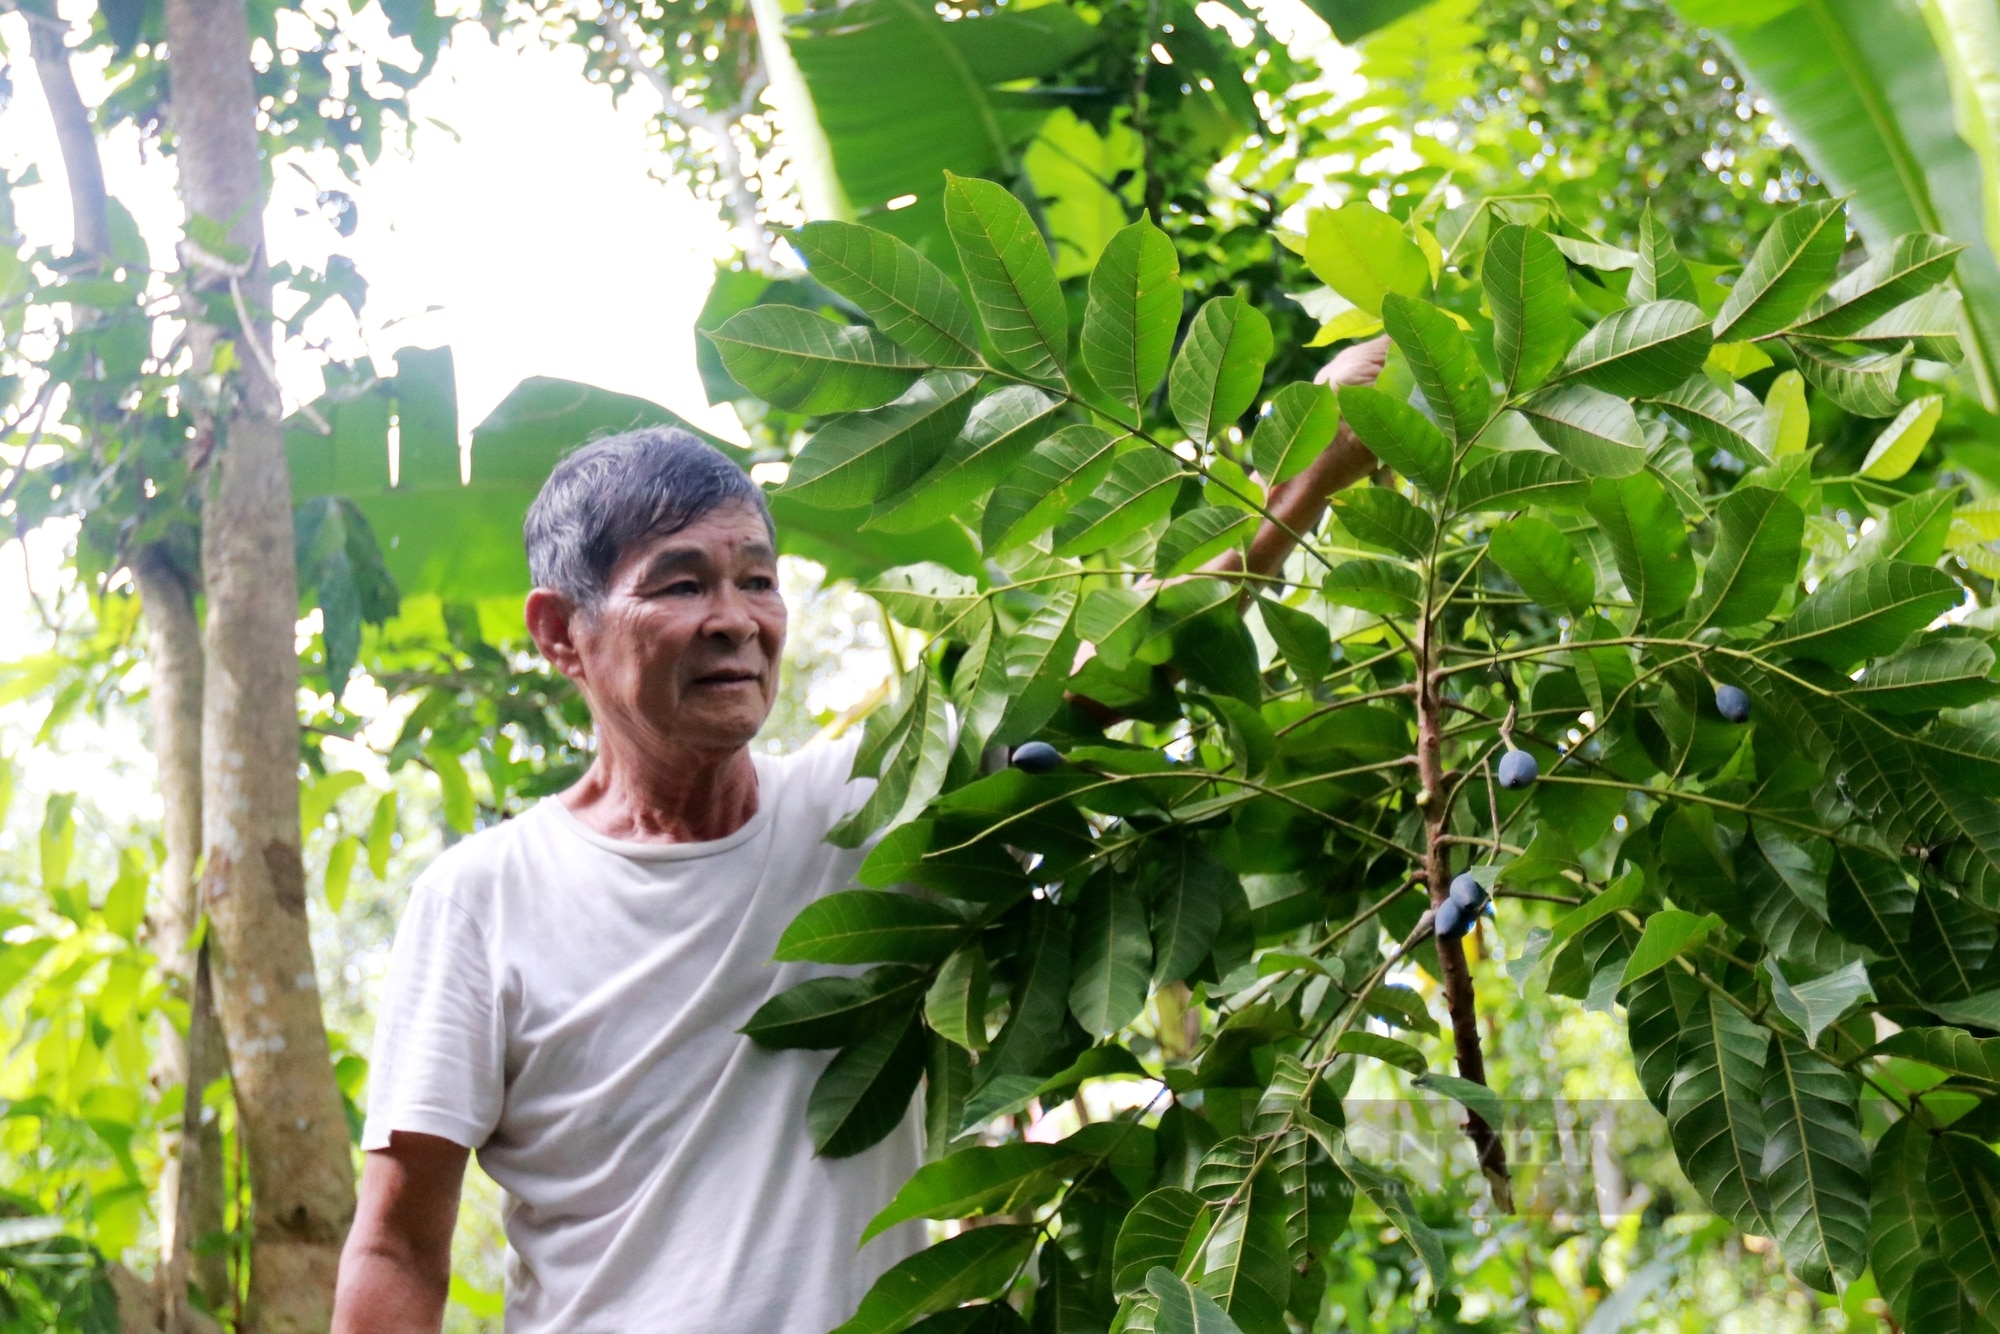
x=190 y=1192
x=253 y=882
x=190 y=1202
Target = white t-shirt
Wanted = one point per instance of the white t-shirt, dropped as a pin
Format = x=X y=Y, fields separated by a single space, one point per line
x=567 y=1005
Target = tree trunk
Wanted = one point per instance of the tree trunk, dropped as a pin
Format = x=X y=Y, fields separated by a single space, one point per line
x=190 y=1194
x=253 y=883
x=190 y=1203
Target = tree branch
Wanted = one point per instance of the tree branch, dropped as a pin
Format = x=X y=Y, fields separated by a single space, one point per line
x=738 y=198
x=48 y=42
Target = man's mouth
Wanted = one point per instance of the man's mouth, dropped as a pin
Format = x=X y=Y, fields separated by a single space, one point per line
x=731 y=677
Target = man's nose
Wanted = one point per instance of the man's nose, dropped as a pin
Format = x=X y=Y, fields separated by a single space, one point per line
x=730 y=619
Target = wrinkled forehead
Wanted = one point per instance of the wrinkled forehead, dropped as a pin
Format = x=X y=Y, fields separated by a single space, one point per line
x=730 y=537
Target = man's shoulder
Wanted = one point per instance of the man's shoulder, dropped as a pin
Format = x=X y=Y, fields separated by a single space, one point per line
x=820 y=772
x=473 y=868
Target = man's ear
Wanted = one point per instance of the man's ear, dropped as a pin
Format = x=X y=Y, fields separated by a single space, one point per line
x=552 y=621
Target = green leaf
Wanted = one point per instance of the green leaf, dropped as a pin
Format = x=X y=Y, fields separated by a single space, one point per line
x=1038 y=658
x=860 y=458
x=1401 y=436
x=976 y=1263
x=460 y=807
x=1246 y=1264
x=1039 y=1003
x=1138 y=493
x=1755 y=560
x=1054 y=476
x=1816 y=1005
x=955 y=1005
x=871 y=926
x=1001 y=431
x=1589 y=428
x=1896 y=449
x=1113 y=955
x=1374 y=585
x=1199 y=536
x=1659 y=274
x=339 y=872
x=1912 y=265
x=1166 y=1227
x=1185 y=889
x=865 y=1091
x=1965 y=1192
x=1715 y=1109
x=1383 y=518
x=1653 y=1012
x=795 y=359
x=1913 y=530
x=1669 y=934
x=908 y=297
x=832 y=1011
x=1536 y=555
x=910 y=766
x=381 y=835
x=1866 y=613
x=1441 y=357
x=1648 y=541
x=1519 y=478
x=1065 y=1301
x=1476 y=1098
x=1184 y=1309
x=1933 y=674
x=1641 y=350
x=1902 y=1227
x=1220 y=367
x=981 y=1179
x=1132 y=314
x=1363 y=254
x=1298 y=428
x=1013 y=279
x=1388 y=1050
x=926 y=596
x=1303 y=639
x=1815 y=1165
x=1116 y=620
x=1527 y=285
x=1792 y=262
x=1864 y=385
x=1392 y=1197
x=1952 y=1050
x=1726 y=420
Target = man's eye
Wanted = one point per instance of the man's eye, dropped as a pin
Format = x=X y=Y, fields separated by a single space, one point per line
x=682 y=588
x=760 y=583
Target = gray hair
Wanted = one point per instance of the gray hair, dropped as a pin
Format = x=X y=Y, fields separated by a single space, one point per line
x=623 y=489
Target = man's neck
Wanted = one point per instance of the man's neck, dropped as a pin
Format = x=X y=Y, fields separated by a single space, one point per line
x=687 y=797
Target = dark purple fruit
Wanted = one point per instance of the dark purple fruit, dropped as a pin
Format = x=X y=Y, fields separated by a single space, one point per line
x=1733 y=703
x=1518 y=769
x=1450 y=920
x=1468 y=893
x=1036 y=757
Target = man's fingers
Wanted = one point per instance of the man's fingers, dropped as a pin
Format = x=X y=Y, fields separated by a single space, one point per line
x=1358 y=363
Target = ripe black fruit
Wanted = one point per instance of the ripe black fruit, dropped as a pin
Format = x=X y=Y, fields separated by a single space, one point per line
x=1733 y=703
x=1450 y=920
x=1468 y=893
x=1518 y=769
x=1036 y=757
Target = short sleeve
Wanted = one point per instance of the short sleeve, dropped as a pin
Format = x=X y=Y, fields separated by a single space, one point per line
x=440 y=1047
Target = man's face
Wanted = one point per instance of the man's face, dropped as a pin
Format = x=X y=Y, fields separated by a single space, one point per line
x=684 y=647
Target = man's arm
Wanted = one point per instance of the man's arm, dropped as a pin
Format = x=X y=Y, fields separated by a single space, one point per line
x=395 y=1270
x=1298 y=503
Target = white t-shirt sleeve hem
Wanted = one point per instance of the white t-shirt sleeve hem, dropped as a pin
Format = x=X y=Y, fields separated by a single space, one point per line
x=377 y=1129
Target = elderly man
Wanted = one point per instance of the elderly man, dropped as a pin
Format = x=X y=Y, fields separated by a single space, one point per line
x=566 y=988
